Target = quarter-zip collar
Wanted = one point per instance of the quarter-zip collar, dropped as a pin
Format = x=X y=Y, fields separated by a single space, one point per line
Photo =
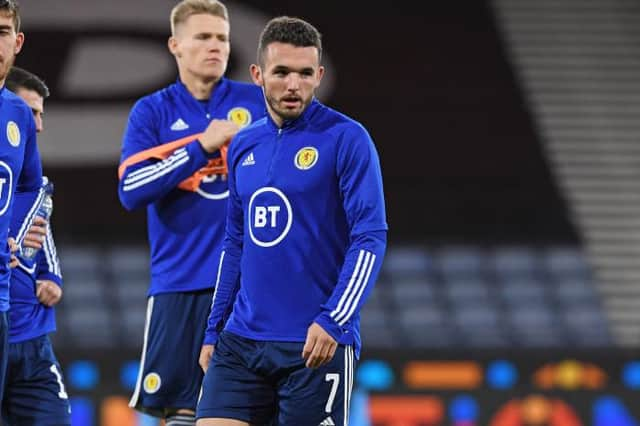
x=296 y=123
x=218 y=94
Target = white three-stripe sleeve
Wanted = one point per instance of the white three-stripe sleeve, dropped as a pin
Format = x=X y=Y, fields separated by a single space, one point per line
x=358 y=282
x=52 y=261
x=152 y=172
x=28 y=219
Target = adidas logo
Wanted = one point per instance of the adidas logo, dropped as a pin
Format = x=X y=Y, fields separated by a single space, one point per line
x=327 y=422
x=179 y=125
x=249 y=161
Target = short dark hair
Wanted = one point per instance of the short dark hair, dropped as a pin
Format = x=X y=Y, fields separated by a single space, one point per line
x=285 y=29
x=11 y=9
x=19 y=78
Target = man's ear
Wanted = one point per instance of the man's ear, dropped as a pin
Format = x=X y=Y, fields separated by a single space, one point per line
x=256 y=74
x=19 y=42
x=172 y=44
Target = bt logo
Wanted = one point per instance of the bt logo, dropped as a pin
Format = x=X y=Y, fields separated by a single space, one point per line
x=270 y=216
x=261 y=216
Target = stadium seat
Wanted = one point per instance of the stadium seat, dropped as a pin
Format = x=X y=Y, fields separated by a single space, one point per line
x=515 y=263
x=460 y=261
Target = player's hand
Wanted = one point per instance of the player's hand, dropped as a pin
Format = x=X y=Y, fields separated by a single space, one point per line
x=13 y=248
x=48 y=292
x=205 y=356
x=36 y=233
x=319 y=347
x=217 y=134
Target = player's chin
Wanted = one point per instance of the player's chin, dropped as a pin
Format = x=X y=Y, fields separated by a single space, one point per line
x=290 y=113
x=212 y=71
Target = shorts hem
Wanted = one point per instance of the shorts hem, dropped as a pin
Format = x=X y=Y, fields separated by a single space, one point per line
x=159 y=410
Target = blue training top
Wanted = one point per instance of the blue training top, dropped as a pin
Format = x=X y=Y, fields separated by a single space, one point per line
x=28 y=318
x=20 y=171
x=306 y=229
x=185 y=224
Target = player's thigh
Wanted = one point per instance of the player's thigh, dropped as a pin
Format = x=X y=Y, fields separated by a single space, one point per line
x=170 y=376
x=234 y=387
x=36 y=394
x=320 y=396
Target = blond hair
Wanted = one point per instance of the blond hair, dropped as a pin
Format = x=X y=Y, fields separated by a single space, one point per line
x=183 y=10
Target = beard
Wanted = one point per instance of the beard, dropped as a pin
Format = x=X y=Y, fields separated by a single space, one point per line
x=286 y=113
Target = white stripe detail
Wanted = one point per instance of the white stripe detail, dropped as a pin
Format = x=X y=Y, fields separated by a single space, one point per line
x=51 y=267
x=29 y=271
x=346 y=292
x=348 y=382
x=363 y=285
x=215 y=291
x=51 y=254
x=159 y=174
x=355 y=292
x=351 y=369
x=152 y=168
x=180 y=421
x=54 y=255
x=345 y=383
x=26 y=224
x=136 y=393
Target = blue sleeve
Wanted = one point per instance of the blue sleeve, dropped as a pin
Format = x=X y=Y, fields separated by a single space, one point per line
x=227 y=281
x=47 y=262
x=360 y=180
x=151 y=179
x=25 y=208
x=31 y=175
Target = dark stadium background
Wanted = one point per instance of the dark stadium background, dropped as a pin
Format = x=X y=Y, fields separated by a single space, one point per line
x=464 y=168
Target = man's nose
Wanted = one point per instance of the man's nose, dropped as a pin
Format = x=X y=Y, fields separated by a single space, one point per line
x=293 y=82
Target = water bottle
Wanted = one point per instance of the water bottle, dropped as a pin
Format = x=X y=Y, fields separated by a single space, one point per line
x=44 y=211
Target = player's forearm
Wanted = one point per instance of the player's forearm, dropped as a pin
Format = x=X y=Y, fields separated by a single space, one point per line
x=149 y=181
x=358 y=275
x=30 y=212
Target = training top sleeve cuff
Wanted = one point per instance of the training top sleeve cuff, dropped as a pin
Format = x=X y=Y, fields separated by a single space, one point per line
x=210 y=338
x=51 y=277
x=202 y=152
x=325 y=321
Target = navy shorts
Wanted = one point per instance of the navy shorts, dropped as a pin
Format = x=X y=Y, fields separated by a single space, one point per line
x=170 y=376
x=34 y=393
x=4 y=353
x=267 y=383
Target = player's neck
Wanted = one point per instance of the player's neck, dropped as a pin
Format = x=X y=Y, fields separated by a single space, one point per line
x=199 y=88
x=279 y=121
